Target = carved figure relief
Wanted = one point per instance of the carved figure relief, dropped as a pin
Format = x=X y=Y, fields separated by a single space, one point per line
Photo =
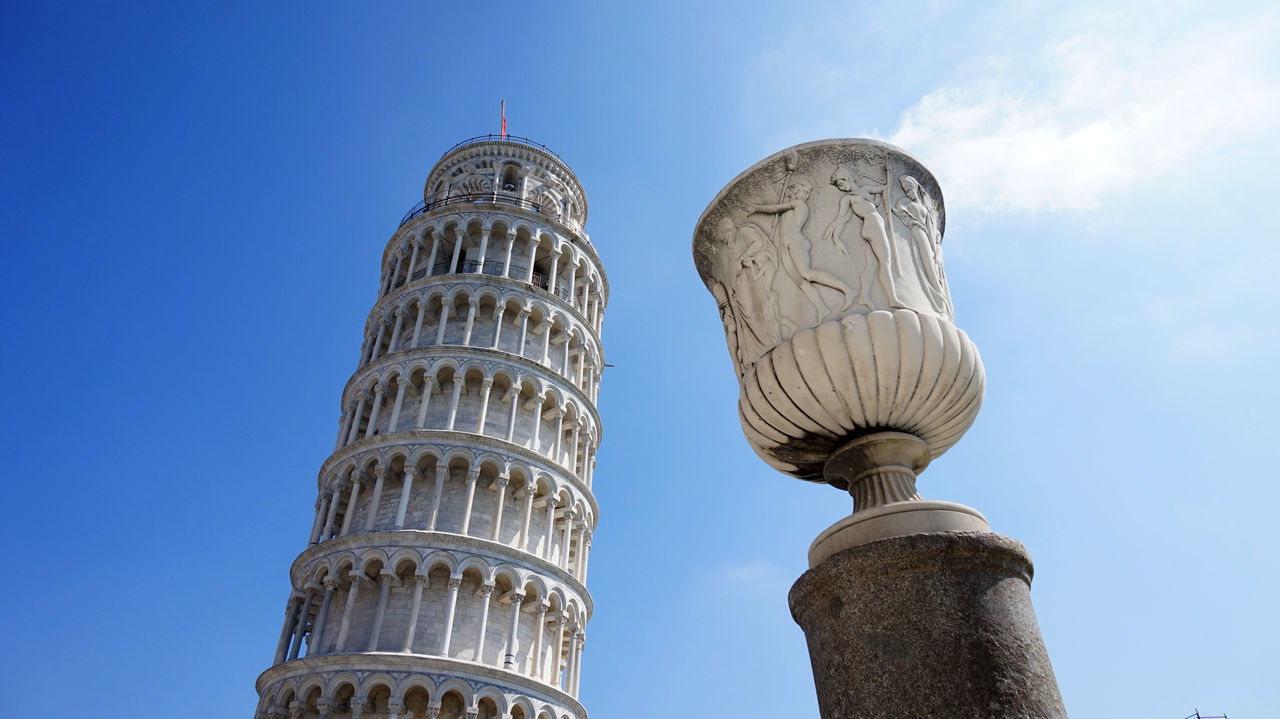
x=794 y=247
x=917 y=212
x=751 y=301
x=819 y=233
x=860 y=201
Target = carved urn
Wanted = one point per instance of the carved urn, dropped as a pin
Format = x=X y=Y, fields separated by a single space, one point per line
x=825 y=260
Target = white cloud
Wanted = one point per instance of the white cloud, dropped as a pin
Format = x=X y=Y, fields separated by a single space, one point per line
x=1120 y=101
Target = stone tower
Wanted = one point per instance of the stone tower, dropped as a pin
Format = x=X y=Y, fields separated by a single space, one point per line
x=444 y=575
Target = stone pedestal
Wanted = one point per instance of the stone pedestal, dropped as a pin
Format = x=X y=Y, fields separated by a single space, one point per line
x=926 y=625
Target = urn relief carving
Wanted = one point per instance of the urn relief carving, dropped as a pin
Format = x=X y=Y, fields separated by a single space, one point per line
x=825 y=261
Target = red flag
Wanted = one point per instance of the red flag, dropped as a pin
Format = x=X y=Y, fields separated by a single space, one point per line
x=504 y=119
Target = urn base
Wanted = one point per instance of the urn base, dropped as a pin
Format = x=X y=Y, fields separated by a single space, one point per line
x=926 y=625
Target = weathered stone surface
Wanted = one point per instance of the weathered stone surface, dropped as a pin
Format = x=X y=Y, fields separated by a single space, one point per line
x=825 y=260
x=926 y=625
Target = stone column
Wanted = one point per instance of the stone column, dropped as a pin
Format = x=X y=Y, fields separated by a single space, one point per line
x=473 y=474
x=417 y=323
x=472 y=305
x=513 y=640
x=450 y=608
x=535 y=438
x=484 y=249
x=351 y=504
x=511 y=418
x=533 y=255
x=380 y=474
x=343 y=426
x=410 y=473
x=458 y=383
x=394 y=708
x=498 y=311
x=402 y=383
x=300 y=628
x=577 y=664
x=501 y=484
x=576 y=570
x=395 y=274
x=290 y=619
x=539 y=627
x=395 y=332
x=573 y=444
x=554 y=659
x=317 y=627
x=378 y=391
x=524 y=331
x=551 y=276
x=586 y=552
x=442 y=474
x=359 y=705
x=485 y=591
x=322 y=509
x=385 y=579
x=355 y=417
x=571 y=664
x=569 y=516
x=555 y=446
x=546 y=341
x=506 y=262
x=428 y=386
x=415 y=606
x=526 y=515
x=334 y=498
x=431 y=257
x=344 y=627
x=551 y=526
x=485 y=388
x=457 y=251
x=377 y=343
x=413 y=262
x=323 y=708
x=445 y=304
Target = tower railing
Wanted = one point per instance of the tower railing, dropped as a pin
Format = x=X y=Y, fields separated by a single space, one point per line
x=473 y=198
x=514 y=139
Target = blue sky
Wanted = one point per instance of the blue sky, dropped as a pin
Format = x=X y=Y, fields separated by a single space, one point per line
x=195 y=196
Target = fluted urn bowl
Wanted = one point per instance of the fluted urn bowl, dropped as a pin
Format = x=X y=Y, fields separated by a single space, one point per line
x=826 y=263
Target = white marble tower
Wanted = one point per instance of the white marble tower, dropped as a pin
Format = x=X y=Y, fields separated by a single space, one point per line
x=444 y=575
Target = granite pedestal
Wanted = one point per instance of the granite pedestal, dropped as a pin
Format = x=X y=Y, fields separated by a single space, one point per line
x=926 y=625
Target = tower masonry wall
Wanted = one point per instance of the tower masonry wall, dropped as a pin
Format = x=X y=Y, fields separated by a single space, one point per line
x=445 y=570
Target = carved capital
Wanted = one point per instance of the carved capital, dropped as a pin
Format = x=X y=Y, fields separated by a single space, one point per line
x=410 y=472
x=455 y=583
x=330 y=583
x=486 y=590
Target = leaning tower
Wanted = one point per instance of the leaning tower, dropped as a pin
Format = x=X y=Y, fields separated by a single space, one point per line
x=445 y=573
